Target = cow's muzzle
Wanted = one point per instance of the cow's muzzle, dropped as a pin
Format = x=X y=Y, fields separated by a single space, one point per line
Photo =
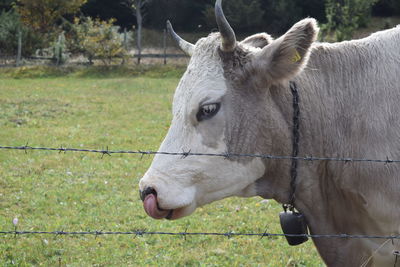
x=150 y=204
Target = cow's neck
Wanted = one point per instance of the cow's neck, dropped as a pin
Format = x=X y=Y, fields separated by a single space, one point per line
x=337 y=88
x=323 y=108
x=314 y=190
x=316 y=184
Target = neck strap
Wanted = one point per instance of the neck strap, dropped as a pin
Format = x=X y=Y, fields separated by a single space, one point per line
x=295 y=146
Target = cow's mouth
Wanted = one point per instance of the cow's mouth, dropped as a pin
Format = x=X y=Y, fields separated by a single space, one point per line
x=152 y=209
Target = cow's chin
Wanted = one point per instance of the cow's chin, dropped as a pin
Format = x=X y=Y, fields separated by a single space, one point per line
x=157 y=211
x=181 y=212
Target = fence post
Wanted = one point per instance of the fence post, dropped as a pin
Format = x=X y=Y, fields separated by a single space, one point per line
x=19 y=52
x=58 y=51
x=125 y=45
x=165 y=46
x=61 y=41
x=125 y=40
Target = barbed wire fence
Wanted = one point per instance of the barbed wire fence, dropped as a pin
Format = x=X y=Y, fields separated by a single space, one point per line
x=185 y=154
x=223 y=234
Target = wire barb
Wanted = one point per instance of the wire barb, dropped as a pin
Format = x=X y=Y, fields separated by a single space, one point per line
x=184 y=234
x=139 y=233
x=105 y=152
x=388 y=161
x=62 y=149
x=98 y=233
x=185 y=154
x=265 y=233
x=26 y=147
x=228 y=235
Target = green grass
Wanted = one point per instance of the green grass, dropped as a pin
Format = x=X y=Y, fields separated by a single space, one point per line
x=77 y=192
x=99 y=72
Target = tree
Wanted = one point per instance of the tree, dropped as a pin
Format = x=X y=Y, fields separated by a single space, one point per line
x=243 y=15
x=10 y=28
x=106 y=9
x=345 y=16
x=312 y=8
x=184 y=15
x=386 y=8
x=42 y=15
x=138 y=6
x=6 y=4
x=280 y=15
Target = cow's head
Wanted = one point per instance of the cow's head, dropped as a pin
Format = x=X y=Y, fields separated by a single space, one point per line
x=224 y=103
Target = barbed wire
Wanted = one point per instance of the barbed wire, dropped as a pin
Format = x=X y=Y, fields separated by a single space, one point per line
x=184 y=154
x=225 y=234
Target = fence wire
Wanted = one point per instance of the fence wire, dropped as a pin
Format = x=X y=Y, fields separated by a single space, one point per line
x=184 y=234
x=184 y=154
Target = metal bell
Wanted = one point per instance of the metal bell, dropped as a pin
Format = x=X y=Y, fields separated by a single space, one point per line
x=294 y=223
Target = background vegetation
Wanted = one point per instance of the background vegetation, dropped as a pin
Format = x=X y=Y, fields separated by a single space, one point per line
x=41 y=22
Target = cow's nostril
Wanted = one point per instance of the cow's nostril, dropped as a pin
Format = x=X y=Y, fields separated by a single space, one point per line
x=147 y=191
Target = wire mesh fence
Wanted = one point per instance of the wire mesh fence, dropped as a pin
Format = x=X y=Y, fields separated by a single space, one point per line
x=157 y=48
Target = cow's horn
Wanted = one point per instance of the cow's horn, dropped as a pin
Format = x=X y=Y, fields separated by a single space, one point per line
x=184 y=45
x=227 y=33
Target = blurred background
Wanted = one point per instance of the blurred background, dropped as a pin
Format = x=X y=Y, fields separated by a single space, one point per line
x=105 y=32
x=92 y=76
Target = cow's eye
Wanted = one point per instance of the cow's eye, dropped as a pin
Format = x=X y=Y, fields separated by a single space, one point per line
x=207 y=111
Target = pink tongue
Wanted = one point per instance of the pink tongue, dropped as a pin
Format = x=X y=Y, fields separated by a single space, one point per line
x=150 y=206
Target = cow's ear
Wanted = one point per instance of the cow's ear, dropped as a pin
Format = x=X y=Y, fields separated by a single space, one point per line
x=287 y=56
x=259 y=40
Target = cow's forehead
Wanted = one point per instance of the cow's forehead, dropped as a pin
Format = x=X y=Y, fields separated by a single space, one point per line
x=204 y=72
x=205 y=53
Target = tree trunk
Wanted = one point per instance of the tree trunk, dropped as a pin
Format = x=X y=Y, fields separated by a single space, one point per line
x=165 y=45
x=139 y=21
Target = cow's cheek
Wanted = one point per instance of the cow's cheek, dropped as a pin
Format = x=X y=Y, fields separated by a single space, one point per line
x=226 y=178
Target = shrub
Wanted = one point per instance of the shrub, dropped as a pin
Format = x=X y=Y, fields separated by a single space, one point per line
x=97 y=39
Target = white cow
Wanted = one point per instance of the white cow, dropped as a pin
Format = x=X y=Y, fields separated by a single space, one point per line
x=235 y=97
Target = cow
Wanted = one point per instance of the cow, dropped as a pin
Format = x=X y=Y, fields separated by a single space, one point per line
x=235 y=98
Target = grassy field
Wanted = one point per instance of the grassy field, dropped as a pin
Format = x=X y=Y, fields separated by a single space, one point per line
x=77 y=192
